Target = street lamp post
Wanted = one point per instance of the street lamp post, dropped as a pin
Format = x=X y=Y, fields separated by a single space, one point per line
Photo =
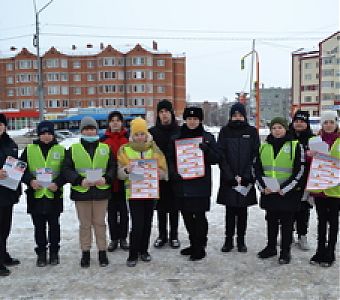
x=39 y=65
x=257 y=83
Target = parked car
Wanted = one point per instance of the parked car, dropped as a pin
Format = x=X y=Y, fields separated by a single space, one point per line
x=63 y=134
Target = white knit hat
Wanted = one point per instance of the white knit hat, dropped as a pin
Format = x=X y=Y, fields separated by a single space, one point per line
x=328 y=115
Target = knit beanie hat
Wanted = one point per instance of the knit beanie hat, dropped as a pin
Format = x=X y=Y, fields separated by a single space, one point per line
x=88 y=122
x=115 y=113
x=238 y=107
x=138 y=125
x=328 y=115
x=193 y=112
x=301 y=115
x=3 y=119
x=279 y=120
x=45 y=126
x=164 y=104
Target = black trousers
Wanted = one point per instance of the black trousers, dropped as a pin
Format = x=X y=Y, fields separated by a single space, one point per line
x=327 y=210
x=44 y=237
x=236 y=216
x=5 y=228
x=197 y=226
x=117 y=217
x=162 y=217
x=301 y=219
x=274 y=219
x=141 y=212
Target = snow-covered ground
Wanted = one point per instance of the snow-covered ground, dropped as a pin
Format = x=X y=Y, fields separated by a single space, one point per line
x=169 y=276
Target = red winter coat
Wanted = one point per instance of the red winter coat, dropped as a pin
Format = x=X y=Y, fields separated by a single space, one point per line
x=115 y=140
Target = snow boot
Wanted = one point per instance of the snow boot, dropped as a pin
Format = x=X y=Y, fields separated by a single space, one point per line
x=198 y=253
x=102 y=257
x=10 y=261
x=132 y=260
x=124 y=244
x=329 y=258
x=85 y=259
x=112 y=246
x=4 y=271
x=160 y=242
x=146 y=257
x=241 y=246
x=267 y=252
x=54 y=258
x=285 y=257
x=228 y=245
x=186 y=251
x=42 y=259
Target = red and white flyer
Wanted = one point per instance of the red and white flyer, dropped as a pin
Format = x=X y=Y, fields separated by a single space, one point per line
x=15 y=169
x=190 y=158
x=324 y=172
x=144 y=179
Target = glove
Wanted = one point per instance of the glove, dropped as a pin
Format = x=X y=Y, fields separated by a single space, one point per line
x=204 y=147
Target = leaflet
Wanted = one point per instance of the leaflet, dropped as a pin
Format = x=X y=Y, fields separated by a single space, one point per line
x=144 y=179
x=93 y=175
x=271 y=183
x=44 y=176
x=190 y=158
x=243 y=190
x=15 y=170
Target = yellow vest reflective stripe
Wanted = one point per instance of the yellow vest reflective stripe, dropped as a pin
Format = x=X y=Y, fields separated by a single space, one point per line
x=36 y=160
x=335 y=152
x=281 y=167
x=133 y=154
x=82 y=162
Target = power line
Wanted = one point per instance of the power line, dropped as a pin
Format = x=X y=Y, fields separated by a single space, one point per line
x=15 y=37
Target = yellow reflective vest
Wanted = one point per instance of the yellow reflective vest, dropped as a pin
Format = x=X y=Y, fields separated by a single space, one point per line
x=83 y=162
x=281 y=167
x=36 y=160
x=335 y=152
x=133 y=154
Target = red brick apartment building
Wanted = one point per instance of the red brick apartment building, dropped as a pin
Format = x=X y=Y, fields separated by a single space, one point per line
x=133 y=77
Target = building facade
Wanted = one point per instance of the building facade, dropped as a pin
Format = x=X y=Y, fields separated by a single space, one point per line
x=133 y=77
x=316 y=77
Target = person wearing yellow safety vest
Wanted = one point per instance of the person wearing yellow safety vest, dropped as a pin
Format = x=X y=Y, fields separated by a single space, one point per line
x=283 y=159
x=45 y=199
x=90 y=167
x=140 y=146
x=327 y=202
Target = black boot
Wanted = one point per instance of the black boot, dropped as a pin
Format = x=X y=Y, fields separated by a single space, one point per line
x=10 y=261
x=124 y=244
x=85 y=259
x=102 y=257
x=4 y=271
x=317 y=258
x=132 y=260
x=241 y=246
x=285 y=257
x=228 y=245
x=160 y=242
x=112 y=246
x=198 y=253
x=42 y=259
x=329 y=258
x=186 y=251
x=54 y=258
x=267 y=252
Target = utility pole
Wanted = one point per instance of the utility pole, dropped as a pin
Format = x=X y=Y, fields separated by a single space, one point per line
x=251 y=96
x=36 y=44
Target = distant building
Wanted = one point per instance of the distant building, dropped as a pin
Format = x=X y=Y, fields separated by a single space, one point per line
x=210 y=110
x=108 y=78
x=274 y=102
x=316 y=77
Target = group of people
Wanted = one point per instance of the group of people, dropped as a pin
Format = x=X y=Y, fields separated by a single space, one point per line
x=244 y=162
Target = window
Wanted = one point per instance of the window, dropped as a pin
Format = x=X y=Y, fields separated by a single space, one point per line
x=327 y=84
x=91 y=64
x=26 y=104
x=25 y=64
x=121 y=61
x=149 y=102
x=160 y=62
x=160 y=75
x=63 y=76
x=109 y=89
x=24 y=77
x=109 y=102
x=308 y=76
x=10 y=92
x=327 y=96
x=91 y=77
x=53 y=103
x=24 y=91
x=120 y=75
x=52 y=63
x=121 y=88
x=77 y=90
x=160 y=89
x=53 y=90
x=76 y=77
x=65 y=103
x=308 y=65
x=108 y=75
x=10 y=80
x=91 y=90
x=138 y=61
x=92 y=103
x=52 y=76
x=63 y=63
x=138 y=88
x=64 y=90
x=328 y=72
x=76 y=64
x=9 y=67
x=308 y=99
x=108 y=61
x=138 y=74
x=327 y=60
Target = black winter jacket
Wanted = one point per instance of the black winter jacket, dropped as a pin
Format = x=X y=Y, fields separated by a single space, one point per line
x=8 y=147
x=162 y=135
x=194 y=194
x=290 y=201
x=238 y=143
x=42 y=205
x=72 y=176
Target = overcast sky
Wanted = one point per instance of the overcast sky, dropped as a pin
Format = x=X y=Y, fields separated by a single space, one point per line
x=213 y=34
